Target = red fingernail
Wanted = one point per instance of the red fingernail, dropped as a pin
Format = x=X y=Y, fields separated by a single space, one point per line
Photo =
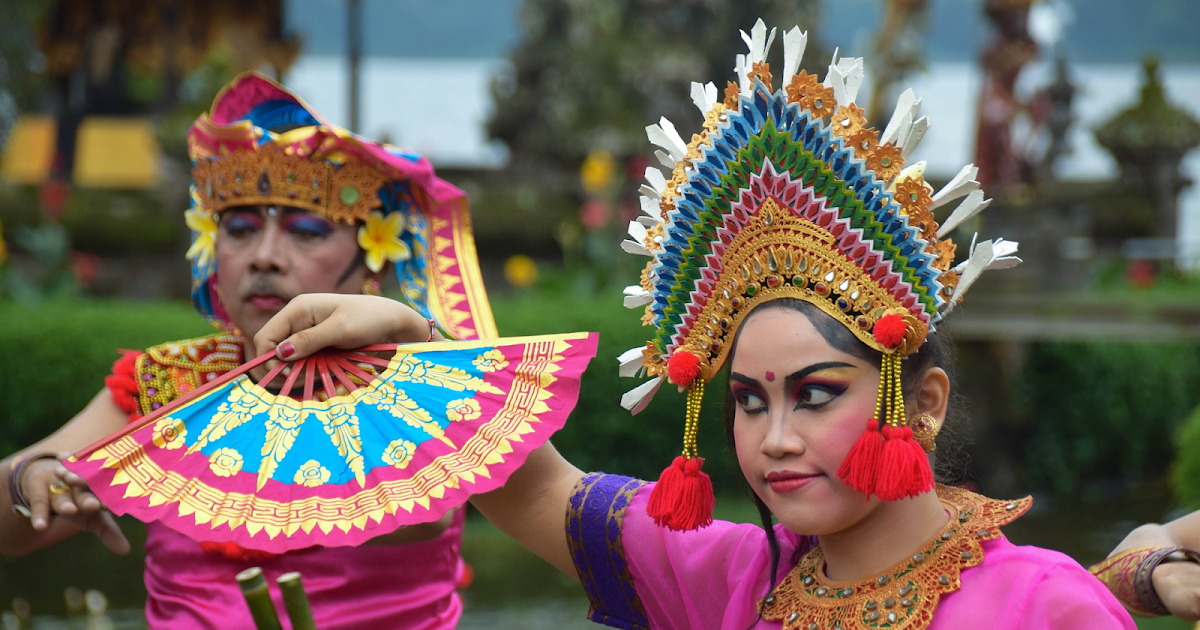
x=285 y=350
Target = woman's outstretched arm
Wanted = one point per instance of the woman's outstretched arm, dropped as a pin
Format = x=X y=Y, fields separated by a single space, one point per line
x=532 y=506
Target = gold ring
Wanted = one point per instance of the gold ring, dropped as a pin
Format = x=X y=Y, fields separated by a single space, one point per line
x=58 y=487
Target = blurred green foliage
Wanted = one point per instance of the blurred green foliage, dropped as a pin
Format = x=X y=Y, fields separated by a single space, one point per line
x=54 y=357
x=1103 y=413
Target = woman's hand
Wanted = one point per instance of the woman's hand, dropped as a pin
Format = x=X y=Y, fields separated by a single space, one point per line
x=50 y=489
x=1178 y=586
x=314 y=321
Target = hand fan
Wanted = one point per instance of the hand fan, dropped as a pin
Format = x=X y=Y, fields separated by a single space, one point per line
x=350 y=447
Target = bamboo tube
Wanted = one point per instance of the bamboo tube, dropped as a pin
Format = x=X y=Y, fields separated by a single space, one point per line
x=296 y=602
x=258 y=598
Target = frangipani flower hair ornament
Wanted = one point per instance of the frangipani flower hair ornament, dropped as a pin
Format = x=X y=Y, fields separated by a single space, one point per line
x=789 y=193
x=262 y=145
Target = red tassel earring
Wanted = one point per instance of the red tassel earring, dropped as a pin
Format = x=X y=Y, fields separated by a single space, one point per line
x=683 y=497
x=889 y=464
x=904 y=470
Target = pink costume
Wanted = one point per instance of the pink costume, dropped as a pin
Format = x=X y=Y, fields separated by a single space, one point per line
x=640 y=575
x=405 y=586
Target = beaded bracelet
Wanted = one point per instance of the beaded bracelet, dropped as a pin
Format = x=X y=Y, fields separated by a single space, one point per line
x=432 y=329
x=19 y=505
x=1128 y=575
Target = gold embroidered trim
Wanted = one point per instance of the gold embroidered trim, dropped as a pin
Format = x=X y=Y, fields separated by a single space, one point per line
x=167 y=371
x=904 y=597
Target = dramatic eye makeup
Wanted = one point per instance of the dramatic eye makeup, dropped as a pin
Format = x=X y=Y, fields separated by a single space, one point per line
x=307 y=225
x=811 y=388
x=241 y=222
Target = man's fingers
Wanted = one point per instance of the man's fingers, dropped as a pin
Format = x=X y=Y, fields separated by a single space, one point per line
x=62 y=500
x=105 y=527
x=86 y=501
x=298 y=314
x=39 y=508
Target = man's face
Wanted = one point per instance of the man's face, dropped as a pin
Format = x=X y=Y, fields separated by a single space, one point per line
x=267 y=255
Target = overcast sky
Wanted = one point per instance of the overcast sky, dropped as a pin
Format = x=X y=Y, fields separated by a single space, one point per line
x=1104 y=30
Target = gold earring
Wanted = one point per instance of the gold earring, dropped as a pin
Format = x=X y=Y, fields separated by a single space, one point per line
x=925 y=429
x=371 y=287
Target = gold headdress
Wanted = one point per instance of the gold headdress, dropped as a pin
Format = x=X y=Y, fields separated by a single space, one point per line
x=788 y=193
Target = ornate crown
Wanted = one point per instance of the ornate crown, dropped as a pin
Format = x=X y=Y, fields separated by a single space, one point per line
x=271 y=175
x=789 y=193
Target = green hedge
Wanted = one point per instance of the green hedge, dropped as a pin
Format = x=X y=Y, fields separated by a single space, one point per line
x=53 y=359
x=1099 y=413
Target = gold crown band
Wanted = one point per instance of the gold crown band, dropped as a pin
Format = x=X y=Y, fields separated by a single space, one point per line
x=270 y=176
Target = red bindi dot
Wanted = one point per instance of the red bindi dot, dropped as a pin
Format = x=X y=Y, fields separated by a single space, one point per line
x=770 y=376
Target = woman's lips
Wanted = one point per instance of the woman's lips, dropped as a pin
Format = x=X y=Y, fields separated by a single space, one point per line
x=789 y=481
x=266 y=302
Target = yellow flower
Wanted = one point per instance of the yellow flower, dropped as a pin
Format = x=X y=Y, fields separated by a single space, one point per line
x=169 y=433
x=520 y=270
x=311 y=474
x=380 y=238
x=205 y=228
x=462 y=410
x=225 y=462
x=596 y=173
x=491 y=361
x=399 y=453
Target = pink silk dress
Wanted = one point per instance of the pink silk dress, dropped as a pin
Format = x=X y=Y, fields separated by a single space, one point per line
x=350 y=588
x=638 y=575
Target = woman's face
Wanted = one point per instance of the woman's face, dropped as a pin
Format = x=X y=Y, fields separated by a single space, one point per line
x=799 y=406
x=267 y=256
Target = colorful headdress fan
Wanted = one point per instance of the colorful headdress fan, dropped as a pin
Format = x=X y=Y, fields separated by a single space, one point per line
x=261 y=144
x=788 y=193
x=351 y=447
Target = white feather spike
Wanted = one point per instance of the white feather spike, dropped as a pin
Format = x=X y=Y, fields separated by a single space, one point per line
x=828 y=82
x=700 y=98
x=971 y=206
x=794 y=43
x=836 y=80
x=664 y=135
x=962 y=184
x=915 y=134
x=630 y=362
x=668 y=127
x=985 y=256
x=710 y=95
x=636 y=296
x=650 y=206
x=637 y=231
x=656 y=179
x=649 y=222
x=743 y=73
x=636 y=399
x=665 y=159
x=649 y=192
x=852 y=78
x=636 y=249
x=907 y=107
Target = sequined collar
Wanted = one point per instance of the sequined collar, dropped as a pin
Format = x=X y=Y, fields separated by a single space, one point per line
x=904 y=597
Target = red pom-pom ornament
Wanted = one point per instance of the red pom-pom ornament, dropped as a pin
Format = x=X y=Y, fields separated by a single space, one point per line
x=683 y=367
x=889 y=330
